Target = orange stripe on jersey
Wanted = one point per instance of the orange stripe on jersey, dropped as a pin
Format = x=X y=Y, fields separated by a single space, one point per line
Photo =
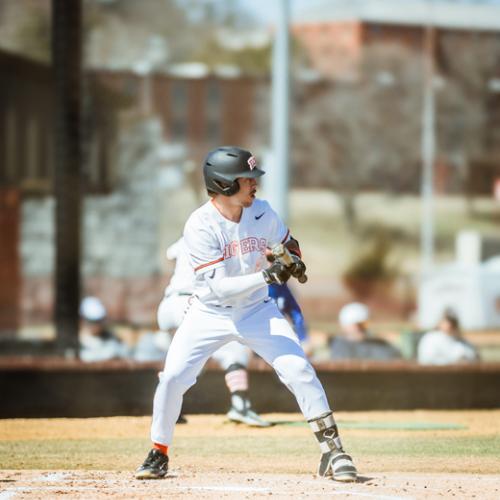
x=208 y=264
x=286 y=236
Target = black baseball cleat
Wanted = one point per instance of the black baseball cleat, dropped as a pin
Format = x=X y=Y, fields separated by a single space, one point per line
x=154 y=467
x=182 y=419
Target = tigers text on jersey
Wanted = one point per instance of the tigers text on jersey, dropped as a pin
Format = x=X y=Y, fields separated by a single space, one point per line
x=213 y=241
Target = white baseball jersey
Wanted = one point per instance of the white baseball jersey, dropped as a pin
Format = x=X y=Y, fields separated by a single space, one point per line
x=213 y=241
x=175 y=302
x=182 y=281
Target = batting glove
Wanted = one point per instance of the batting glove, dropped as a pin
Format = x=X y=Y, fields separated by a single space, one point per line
x=277 y=273
x=298 y=269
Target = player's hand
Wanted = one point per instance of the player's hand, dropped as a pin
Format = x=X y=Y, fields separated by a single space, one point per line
x=298 y=268
x=269 y=255
x=277 y=273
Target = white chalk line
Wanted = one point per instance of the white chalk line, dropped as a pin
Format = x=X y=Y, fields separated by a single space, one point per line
x=368 y=495
x=64 y=477
x=244 y=489
x=241 y=489
x=52 y=477
x=278 y=492
x=7 y=494
x=421 y=489
x=12 y=491
x=356 y=492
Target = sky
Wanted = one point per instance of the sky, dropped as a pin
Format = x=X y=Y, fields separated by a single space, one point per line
x=265 y=10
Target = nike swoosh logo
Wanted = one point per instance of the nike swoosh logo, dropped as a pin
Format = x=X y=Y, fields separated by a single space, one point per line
x=257 y=217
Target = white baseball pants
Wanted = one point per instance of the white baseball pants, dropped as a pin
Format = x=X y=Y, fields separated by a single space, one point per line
x=204 y=330
x=170 y=314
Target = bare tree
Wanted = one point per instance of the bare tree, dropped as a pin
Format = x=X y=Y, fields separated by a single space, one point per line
x=125 y=30
x=466 y=104
x=363 y=134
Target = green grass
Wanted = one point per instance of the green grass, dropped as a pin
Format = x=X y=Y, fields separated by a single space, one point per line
x=120 y=454
x=422 y=447
x=390 y=426
x=66 y=454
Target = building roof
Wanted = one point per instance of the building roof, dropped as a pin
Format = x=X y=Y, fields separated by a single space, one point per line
x=477 y=16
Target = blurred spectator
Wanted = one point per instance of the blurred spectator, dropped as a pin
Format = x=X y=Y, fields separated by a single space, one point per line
x=152 y=346
x=97 y=341
x=355 y=341
x=445 y=345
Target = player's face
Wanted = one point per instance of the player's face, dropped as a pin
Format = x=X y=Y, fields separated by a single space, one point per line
x=246 y=193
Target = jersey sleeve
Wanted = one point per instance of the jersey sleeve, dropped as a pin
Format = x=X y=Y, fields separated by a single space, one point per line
x=203 y=247
x=278 y=231
x=174 y=249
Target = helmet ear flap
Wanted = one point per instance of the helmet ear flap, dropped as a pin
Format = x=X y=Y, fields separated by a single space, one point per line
x=227 y=189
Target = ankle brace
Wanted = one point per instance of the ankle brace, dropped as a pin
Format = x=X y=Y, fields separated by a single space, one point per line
x=240 y=401
x=326 y=432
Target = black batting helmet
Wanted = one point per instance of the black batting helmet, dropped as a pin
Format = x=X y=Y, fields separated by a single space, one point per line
x=224 y=165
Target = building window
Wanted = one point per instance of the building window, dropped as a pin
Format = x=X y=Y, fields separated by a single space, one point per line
x=178 y=105
x=10 y=144
x=131 y=86
x=213 y=111
x=178 y=96
x=32 y=153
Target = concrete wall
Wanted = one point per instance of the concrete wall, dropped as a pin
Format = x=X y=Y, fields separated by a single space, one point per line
x=59 y=388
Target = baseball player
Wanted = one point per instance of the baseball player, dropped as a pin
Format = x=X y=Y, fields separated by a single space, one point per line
x=232 y=357
x=226 y=239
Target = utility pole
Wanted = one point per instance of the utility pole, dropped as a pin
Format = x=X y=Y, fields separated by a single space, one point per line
x=428 y=150
x=66 y=67
x=276 y=180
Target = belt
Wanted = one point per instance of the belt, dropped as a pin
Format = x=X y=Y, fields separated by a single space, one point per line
x=230 y=307
x=179 y=294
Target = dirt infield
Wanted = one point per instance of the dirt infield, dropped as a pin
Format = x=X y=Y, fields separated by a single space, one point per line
x=418 y=454
x=383 y=486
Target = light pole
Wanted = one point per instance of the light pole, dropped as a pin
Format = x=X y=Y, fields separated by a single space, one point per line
x=428 y=151
x=276 y=180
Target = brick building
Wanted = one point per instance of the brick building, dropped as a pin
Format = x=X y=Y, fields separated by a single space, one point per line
x=333 y=33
